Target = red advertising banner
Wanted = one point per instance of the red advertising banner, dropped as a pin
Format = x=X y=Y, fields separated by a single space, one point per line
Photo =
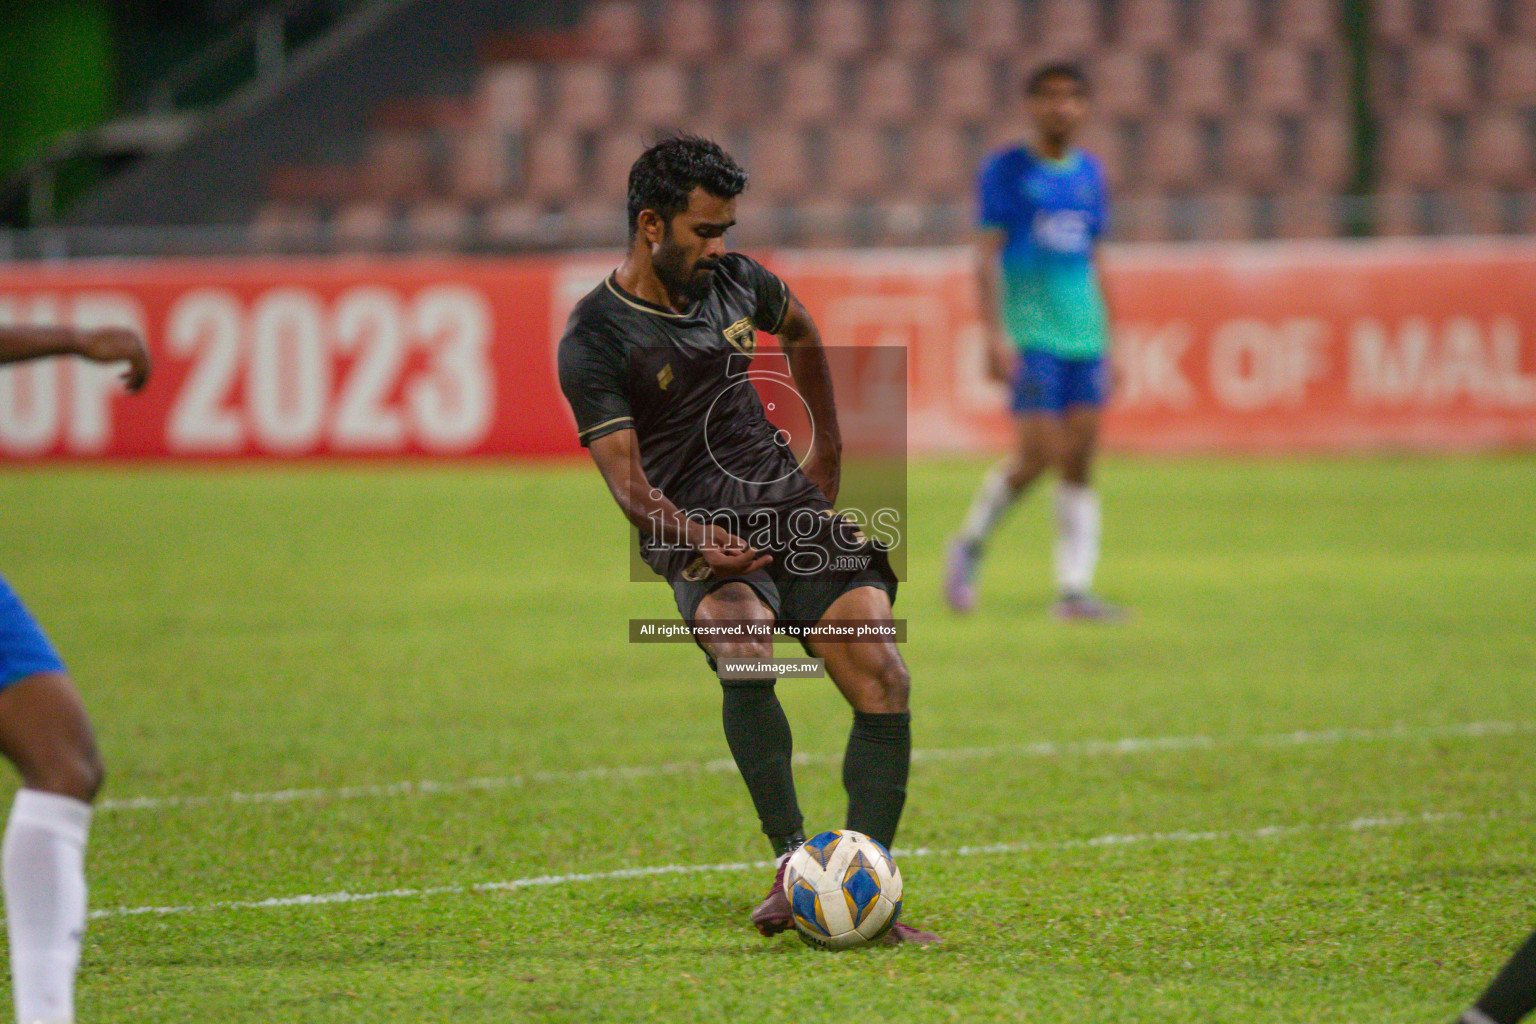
x=289 y=359
x=1273 y=347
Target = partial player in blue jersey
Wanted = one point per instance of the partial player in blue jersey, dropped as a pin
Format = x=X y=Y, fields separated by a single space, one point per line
x=1042 y=209
x=46 y=735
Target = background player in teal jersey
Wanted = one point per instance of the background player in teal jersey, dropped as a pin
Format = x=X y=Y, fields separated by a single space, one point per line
x=46 y=735
x=1042 y=210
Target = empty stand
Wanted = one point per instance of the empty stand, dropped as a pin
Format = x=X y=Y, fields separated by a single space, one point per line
x=864 y=121
x=840 y=28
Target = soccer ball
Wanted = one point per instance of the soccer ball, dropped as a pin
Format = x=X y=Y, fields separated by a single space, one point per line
x=845 y=890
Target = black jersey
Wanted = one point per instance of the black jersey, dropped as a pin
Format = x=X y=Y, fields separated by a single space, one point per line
x=680 y=380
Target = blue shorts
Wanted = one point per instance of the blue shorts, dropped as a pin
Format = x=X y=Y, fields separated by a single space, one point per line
x=24 y=650
x=1049 y=383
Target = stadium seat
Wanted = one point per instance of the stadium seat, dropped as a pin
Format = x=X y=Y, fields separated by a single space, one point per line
x=1394 y=21
x=1399 y=211
x=397 y=166
x=906 y=220
x=509 y=96
x=617 y=150
x=583 y=94
x=1253 y=152
x=658 y=94
x=1473 y=210
x=1306 y=214
x=1277 y=81
x=285 y=227
x=1068 y=27
x=1465 y=19
x=591 y=222
x=690 y=29
x=513 y=225
x=1106 y=142
x=856 y=161
x=554 y=167
x=613 y=29
x=780 y=162
x=840 y=28
x=1439 y=77
x=995 y=27
x=1307 y=21
x=737 y=93
x=810 y=90
x=1522 y=19
x=1225 y=23
x=937 y=163
x=1326 y=158
x=1200 y=83
x=911 y=27
x=1512 y=74
x=1121 y=87
x=481 y=165
x=825 y=222
x=758 y=222
x=436 y=225
x=963 y=87
x=363 y=226
x=1415 y=152
x=765 y=28
x=325 y=183
x=1499 y=152
x=1140 y=216
x=1223 y=215
x=887 y=91
x=1142 y=24
x=1175 y=154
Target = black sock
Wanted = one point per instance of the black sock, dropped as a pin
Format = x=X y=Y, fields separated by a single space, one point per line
x=875 y=772
x=1512 y=994
x=759 y=738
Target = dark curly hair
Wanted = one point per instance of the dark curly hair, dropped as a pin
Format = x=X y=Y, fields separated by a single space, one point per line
x=668 y=172
x=1061 y=69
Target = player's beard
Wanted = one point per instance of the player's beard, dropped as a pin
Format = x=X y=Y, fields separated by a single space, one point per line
x=686 y=282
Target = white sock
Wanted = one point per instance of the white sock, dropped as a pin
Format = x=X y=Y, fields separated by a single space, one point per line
x=44 y=869
x=992 y=500
x=1077 y=538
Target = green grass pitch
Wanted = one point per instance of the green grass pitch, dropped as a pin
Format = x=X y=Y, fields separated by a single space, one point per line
x=407 y=683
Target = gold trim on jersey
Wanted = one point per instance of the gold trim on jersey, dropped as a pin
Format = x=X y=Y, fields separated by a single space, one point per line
x=605 y=423
x=643 y=307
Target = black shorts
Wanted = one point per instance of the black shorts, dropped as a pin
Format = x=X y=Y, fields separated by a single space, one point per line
x=842 y=559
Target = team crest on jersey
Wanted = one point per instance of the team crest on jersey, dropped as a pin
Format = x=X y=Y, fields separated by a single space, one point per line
x=664 y=377
x=742 y=335
x=698 y=571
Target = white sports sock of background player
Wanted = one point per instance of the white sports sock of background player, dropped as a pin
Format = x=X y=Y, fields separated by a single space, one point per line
x=44 y=877
x=992 y=500
x=1077 y=538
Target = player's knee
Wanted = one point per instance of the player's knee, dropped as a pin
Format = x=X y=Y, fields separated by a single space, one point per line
x=1022 y=471
x=893 y=684
x=756 y=649
x=73 y=772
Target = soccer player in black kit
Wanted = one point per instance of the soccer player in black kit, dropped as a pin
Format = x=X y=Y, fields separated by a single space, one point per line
x=653 y=362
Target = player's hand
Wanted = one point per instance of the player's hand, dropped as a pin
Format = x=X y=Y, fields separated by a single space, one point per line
x=729 y=555
x=1001 y=358
x=116 y=345
x=825 y=470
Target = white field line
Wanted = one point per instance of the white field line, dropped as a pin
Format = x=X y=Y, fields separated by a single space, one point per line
x=1112 y=840
x=1085 y=748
